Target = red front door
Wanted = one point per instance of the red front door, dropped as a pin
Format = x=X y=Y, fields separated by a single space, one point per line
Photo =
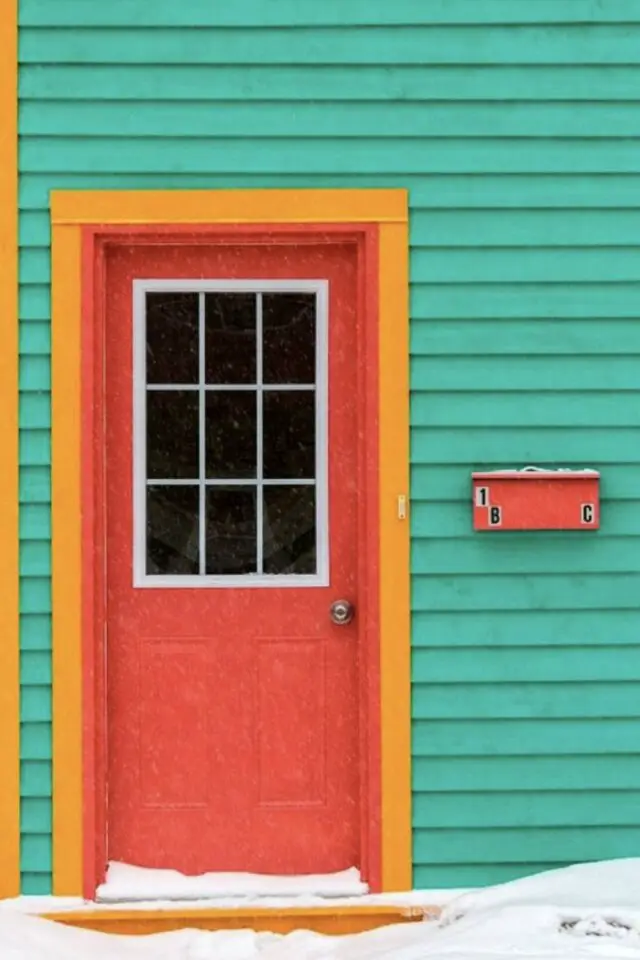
x=232 y=439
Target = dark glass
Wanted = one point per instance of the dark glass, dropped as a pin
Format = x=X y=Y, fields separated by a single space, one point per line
x=231 y=531
x=172 y=338
x=289 y=434
x=172 y=530
x=230 y=338
x=289 y=337
x=172 y=434
x=290 y=530
x=231 y=434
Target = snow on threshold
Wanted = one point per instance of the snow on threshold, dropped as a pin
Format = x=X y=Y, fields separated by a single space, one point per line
x=586 y=911
x=129 y=883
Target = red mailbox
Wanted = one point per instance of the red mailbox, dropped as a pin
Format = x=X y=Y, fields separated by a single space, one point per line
x=536 y=499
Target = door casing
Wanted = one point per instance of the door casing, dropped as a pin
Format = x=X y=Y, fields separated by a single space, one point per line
x=81 y=232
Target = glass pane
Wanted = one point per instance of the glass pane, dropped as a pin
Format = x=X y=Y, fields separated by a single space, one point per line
x=289 y=530
x=231 y=434
x=172 y=530
x=289 y=337
x=289 y=434
x=230 y=324
x=172 y=435
x=231 y=531
x=172 y=338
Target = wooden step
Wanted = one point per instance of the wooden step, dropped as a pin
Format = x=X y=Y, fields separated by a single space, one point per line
x=331 y=920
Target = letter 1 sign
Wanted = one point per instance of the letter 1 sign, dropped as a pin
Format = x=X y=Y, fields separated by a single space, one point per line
x=536 y=499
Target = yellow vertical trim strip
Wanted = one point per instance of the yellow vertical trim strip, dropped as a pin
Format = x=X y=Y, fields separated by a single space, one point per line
x=66 y=561
x=388 y=208
x=9 y=543
x=395 y=626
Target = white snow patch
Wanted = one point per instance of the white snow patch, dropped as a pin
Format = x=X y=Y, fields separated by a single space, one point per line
x=586 y=912
x=606 y=884
x=536 y=470
x=30 y=938
x=127 y=882
x=420 y=899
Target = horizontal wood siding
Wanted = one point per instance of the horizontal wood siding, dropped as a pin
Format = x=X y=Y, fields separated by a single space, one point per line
x=515 y=128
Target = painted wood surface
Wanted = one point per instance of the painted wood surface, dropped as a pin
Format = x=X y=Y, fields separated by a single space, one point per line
x=9 y=512
x=513 y=127
x=258 y=687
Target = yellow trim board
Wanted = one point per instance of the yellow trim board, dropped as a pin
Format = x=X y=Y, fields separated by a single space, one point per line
x=229 y=206
x=9 y=544
x=395 y=613
x=66 y=533
x=334 y=921
x=70 y=210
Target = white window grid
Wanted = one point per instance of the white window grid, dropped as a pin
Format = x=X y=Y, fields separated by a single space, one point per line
x=140 y=388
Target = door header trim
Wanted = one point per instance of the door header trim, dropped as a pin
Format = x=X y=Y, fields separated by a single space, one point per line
x=203 y=207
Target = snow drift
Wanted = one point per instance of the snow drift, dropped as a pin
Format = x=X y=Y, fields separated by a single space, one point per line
x=586 y=911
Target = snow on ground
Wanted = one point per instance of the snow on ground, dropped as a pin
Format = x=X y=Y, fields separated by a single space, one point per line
x=419 y=899
x=585 y=912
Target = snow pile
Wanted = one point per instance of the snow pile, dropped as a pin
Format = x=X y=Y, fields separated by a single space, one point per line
x=587 y=912
x=611 y=883
x=128 y=883
x=590 y=909
x=30 y=938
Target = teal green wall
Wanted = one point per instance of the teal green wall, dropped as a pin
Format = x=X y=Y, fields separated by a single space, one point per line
x=514 y=126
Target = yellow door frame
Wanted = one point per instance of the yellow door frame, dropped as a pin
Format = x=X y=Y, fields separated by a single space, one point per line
x=70 y=212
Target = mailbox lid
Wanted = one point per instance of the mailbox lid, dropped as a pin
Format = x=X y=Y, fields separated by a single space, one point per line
x=537 y=475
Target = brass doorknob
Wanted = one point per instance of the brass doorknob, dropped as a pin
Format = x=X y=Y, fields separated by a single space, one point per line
x=341 y=612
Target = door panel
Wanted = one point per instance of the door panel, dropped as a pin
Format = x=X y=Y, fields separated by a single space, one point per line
x=232 y=701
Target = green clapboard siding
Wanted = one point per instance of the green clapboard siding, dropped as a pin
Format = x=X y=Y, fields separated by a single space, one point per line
x=515 y=128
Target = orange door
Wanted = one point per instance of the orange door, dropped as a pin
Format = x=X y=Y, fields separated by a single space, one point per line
x=232 y=432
